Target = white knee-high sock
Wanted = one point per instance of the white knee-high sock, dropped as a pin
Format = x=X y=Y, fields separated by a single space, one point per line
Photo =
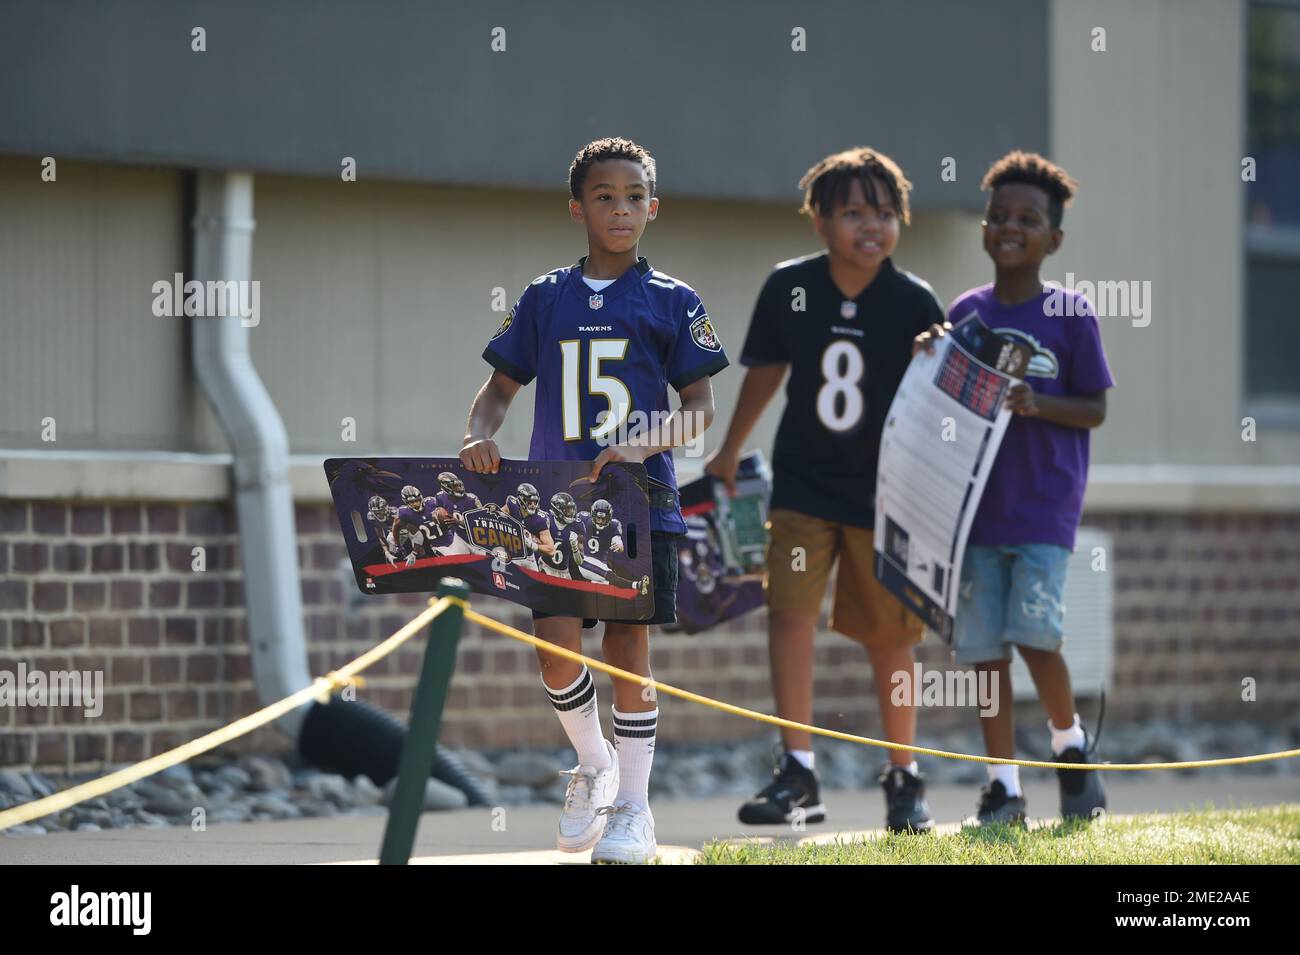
x=634 y=738
x=575 y=705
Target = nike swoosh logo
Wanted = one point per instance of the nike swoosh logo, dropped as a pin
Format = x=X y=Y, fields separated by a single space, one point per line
x=698 y=306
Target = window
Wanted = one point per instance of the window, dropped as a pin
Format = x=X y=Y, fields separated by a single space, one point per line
x=1273 y=211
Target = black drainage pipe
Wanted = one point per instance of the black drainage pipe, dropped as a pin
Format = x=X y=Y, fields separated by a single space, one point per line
x=357 y=738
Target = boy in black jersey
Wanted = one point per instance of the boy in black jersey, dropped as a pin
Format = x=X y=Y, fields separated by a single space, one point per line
x=842 y=323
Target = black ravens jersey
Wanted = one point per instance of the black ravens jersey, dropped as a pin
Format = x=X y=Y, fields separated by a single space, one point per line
x=847 y=357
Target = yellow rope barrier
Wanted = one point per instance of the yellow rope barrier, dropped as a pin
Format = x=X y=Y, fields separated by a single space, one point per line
x=322 y=687
x=835 y=734
x=320 y=690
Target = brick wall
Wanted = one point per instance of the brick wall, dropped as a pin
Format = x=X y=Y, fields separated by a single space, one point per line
x=1200 y=603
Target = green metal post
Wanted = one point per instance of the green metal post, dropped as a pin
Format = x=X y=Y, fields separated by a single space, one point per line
x=422 y=735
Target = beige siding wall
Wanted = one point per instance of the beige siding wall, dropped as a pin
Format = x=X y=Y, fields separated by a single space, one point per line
x=78 y=341
x=377 y=298
x=1153 y=129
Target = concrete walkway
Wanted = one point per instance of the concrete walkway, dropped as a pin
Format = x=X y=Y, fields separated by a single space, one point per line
x=525 y=836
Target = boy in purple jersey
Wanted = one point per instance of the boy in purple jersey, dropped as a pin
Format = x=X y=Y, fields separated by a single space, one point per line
x=602 y=337
x=1013 y=574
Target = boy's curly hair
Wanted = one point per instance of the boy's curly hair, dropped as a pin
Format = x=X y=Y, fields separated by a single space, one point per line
x=1034 y=170
x=827 y=184
x=611 y=147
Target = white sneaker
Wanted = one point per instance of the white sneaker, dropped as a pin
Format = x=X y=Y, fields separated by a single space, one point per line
x=590 y=790
x=629 y=835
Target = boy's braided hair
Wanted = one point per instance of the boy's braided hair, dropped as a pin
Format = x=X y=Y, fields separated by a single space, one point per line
x=611 y=147
x=1034 y=170
x=827 y=184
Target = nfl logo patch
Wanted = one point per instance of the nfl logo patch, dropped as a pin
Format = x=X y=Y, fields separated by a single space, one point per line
x=596 y=301
x=848 y=309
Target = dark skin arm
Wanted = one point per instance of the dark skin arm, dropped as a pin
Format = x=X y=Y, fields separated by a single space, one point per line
x=480 y=452
x=756 y=390
x=692 y=418
x=1073 y=411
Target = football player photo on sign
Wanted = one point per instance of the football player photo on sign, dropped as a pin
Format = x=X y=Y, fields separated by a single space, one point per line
x=559 y=551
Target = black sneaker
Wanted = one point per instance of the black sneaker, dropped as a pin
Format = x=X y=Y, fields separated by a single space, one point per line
x=792 y=790
x=997 y=807
x=905 y=807
x=1082 y=793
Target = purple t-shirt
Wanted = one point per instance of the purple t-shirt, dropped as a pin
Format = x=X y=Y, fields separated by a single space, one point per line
x=1034 y=493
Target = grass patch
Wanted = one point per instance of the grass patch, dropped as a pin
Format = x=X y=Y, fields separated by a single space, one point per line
x=1207 y=837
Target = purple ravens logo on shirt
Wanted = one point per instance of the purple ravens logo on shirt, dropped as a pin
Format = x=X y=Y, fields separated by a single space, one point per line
x=1042 y=361
x=705 y=337
x=505 y=325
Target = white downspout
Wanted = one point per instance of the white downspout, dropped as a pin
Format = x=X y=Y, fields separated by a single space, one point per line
x=222 y=251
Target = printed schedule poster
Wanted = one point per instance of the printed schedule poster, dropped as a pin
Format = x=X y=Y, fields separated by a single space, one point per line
x=537 y=533
x=939 y=441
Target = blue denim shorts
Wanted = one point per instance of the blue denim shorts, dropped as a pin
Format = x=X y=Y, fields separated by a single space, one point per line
x=1009 y=595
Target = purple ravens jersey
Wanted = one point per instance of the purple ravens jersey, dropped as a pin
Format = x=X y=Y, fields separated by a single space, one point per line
x=435 y=534
x=457 y=505
x=568 y=546
x=603 y=362
x=599 y=539
x=534 y=523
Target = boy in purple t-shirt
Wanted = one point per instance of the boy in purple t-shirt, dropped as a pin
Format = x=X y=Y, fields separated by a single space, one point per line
x=1013 y=575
